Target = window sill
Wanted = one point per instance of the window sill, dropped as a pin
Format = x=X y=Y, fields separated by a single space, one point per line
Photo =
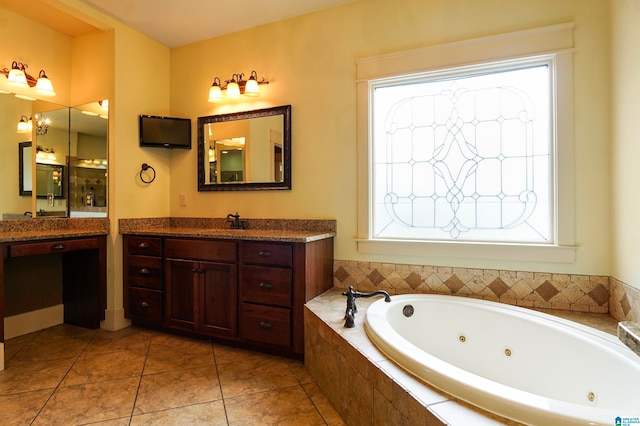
x=492 y=251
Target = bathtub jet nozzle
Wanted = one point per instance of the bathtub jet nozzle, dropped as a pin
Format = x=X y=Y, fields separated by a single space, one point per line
x=351 y=294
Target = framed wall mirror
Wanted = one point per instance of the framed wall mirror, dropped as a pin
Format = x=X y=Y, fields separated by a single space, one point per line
x=244 y=151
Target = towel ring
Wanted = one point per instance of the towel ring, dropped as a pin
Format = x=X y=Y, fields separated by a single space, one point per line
x=146 y=167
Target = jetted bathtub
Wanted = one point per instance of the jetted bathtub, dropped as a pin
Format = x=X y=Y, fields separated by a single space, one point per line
x=518 y=363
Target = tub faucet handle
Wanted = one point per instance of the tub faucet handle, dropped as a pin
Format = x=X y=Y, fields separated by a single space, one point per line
x=351 y=294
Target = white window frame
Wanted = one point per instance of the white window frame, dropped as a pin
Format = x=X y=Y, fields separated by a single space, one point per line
x=554 y=41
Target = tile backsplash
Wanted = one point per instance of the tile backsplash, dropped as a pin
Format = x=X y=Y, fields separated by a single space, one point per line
x=583 y=293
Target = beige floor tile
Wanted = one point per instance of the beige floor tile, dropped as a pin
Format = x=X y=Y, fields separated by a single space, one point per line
x=172 y=389
x=167 y=354
x=14 y=345
x=322 y=404
x=33 y=376
x=105 y=366
x=22 y=408
x=253 y=375
x=58 y=342
x=92 y=402
x=209 y=413
x=289 y=406
x=130 y=339
x=299 y=370
x=225 y=354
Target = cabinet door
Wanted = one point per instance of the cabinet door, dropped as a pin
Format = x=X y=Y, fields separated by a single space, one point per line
x=218 y=299
x=181 y=290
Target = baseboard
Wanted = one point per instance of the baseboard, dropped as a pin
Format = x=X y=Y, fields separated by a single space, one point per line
x=114 y=320
x=18 y=325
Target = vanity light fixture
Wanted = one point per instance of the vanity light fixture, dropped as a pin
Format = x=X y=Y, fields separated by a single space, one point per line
x=17 y=76
x=25 y=125
x=236 y=86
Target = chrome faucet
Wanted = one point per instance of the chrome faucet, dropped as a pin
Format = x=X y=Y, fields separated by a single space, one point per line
x=234 y=220
x=352 y=309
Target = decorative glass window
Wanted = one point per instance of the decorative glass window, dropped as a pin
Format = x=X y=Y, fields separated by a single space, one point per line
x=466 y=154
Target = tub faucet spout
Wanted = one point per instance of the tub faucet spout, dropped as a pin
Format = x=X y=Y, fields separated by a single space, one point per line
x=352 y=309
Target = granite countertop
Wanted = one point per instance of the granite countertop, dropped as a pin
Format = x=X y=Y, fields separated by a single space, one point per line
x=52 y=228
x=282 y=230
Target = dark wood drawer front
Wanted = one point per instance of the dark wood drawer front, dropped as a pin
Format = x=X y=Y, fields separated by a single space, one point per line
x=145 y=271
x=146 y=246
x=266 y=324
x=145 y=304
x=267 y=253
x=271 y=286
x=48 y=247
x=216 y=250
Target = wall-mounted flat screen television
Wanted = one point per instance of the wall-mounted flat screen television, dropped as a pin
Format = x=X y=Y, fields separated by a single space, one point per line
x=165 y=132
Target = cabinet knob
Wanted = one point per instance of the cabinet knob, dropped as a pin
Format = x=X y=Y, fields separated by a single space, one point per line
x=143 y=245
x=144 y=304
x=144 y=271
x=264 y=253
x=265 y=324
x=265 y=285
x=58 y=247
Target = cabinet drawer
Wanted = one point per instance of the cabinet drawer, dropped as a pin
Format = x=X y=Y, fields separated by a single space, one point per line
x=145 y=304
x=279 y=254
x=48 y=247
x=216 y=250
x=266 y=324
x=145 y=271
x=147 y=246
x=261 y=284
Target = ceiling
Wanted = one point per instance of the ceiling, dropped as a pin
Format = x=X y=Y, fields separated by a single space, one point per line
x=176 y=23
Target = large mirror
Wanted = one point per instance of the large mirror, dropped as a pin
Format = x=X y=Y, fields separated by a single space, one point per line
x=38 y=164
x=88 y=160
x=243 y=151
x=16 y=202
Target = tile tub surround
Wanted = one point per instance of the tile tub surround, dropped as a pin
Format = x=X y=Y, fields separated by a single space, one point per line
x=581 y=293
x=629 y=334
x=366 y=388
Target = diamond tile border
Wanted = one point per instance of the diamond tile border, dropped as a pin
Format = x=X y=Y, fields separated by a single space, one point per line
x=582 y=293
x=624 y=303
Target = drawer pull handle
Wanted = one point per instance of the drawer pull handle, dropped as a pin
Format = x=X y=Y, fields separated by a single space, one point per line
x=264 y=253
x=58 y=247
x=144 y=304
x=265 y=324
x=144 y=271
x=265 y=285
x=143 y=245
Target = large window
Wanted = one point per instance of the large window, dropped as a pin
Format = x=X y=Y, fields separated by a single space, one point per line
x=465 y=149
x=465 y=155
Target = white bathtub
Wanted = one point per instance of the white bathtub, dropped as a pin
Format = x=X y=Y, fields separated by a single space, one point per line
x=521 y=364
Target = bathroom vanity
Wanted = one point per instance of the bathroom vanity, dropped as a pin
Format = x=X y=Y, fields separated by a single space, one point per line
x=241 y=286
x=74 y=249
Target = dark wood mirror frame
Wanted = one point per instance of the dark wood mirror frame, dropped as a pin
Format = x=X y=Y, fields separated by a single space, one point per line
x=24 y=154
x=285 y=111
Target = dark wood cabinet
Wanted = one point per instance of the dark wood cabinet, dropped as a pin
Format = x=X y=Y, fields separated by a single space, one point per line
x=201 y=297
x=248 y=292
x=142 y=264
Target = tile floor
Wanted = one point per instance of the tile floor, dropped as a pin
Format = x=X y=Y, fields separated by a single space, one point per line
x=71 y=376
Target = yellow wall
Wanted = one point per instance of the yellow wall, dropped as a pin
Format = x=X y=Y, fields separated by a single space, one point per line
x=625 y=203
x=311 y=65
